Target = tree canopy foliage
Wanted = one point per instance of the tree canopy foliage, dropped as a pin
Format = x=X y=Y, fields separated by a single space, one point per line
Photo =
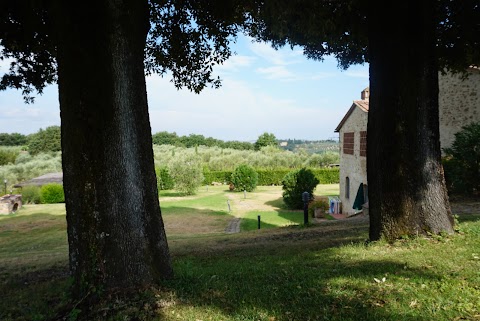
x=13 y=139
x=45 y=140
x=265 y=139
x=340 y=29
x=186 y=39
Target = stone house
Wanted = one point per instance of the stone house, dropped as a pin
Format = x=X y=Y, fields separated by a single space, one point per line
x=459 y=105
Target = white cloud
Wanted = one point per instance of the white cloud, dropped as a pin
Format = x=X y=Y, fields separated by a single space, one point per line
x=358 y=73
x=322 y=75
x=235 y=63
x=236 y=111
x=243 y=108
x=275 y=57
x=16 y=116
x=14 y=113
x=278 y=73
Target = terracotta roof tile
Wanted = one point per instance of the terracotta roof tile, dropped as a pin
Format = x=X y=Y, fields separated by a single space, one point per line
x=362 y=104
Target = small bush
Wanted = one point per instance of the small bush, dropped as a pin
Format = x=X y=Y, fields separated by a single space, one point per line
x=294 y=184
x=164 y=180
x=31 y=195
x=244 y=178
x=187 y=174
x=8 y=155
x=51 y=194
x=22 y=158
x=462 y=161
x=317 y=203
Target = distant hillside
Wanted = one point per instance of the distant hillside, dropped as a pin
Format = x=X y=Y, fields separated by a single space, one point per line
x=310 y=146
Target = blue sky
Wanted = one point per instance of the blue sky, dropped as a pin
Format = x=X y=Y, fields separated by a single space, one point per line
x=263 y=90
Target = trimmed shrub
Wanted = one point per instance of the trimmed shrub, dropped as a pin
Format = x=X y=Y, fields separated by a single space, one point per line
x=327 y=175
x=31 y=195
x=295 y=183
x=318 y=203
x=216 y=176
x=164 y=180
x=186 y=173
x=268 y=177
x=462 y=161
x=52 y=193
x=244 y=178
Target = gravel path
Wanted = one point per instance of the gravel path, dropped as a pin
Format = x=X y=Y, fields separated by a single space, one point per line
x=233 y=226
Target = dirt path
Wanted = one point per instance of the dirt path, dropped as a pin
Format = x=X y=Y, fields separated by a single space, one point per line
x=233 y=226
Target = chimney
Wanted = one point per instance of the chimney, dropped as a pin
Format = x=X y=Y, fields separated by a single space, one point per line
x=365 y=93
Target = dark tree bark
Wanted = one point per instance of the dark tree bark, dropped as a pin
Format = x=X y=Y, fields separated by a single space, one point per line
x=407 y=190
x=115 y=230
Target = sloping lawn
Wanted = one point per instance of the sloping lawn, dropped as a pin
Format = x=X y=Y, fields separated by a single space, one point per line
x=320 y=272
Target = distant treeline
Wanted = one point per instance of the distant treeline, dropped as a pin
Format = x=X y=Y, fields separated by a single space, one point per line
x=13 y=139
x=45 y=140
x=48 y=139
x=192 y=140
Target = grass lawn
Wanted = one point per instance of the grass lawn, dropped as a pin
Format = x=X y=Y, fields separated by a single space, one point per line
x=200 y=215
x=319 y=272
x=273 y=212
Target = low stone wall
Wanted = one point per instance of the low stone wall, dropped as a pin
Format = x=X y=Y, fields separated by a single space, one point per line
x=10 y=203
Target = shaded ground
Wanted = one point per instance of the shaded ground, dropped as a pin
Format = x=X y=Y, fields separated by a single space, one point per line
x=465 y=206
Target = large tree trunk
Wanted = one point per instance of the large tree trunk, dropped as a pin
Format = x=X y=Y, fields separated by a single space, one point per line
x=407 y=192
x=115 y=230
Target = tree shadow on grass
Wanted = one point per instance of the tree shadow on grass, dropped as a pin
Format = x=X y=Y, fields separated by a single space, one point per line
x=248 y=224
x=297 y=287
x=277 y=204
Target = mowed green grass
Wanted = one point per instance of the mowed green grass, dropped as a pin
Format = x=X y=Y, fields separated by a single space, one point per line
x=278 y=215
x=34 y=236
x=320 y=272
x=203 y=214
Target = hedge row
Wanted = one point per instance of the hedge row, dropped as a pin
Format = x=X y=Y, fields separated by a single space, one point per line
x=274 y=177
x=327 y=175
x=47 y=194
x=216 y=176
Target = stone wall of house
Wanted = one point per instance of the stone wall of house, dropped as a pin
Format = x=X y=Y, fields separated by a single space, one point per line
x=459 y=104
x=352 y=166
